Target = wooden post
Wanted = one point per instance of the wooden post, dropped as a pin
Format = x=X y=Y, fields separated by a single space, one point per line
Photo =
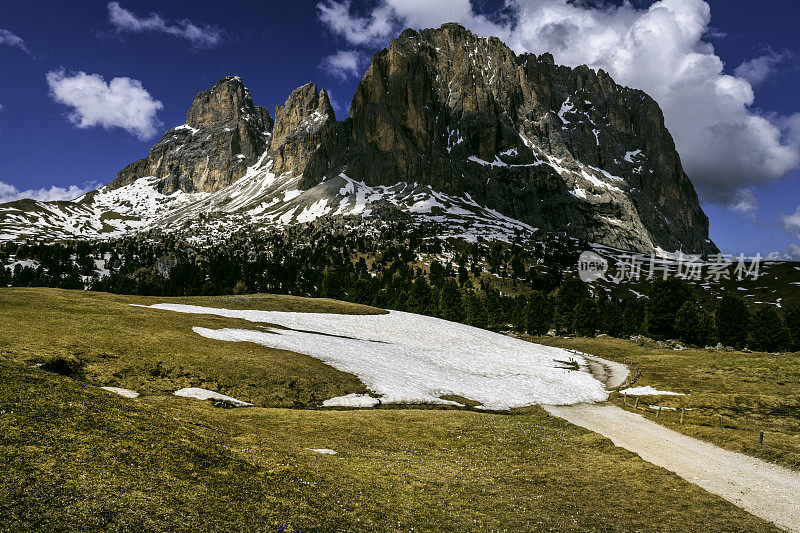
x=626 y=398
x=720 y=421
x=636 y=405
x=683 y=410
x=761 y=437
x=658 y=413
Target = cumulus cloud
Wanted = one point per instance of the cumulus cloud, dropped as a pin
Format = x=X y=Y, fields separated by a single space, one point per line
x=759 y=69
x=726 y=146
x=120 y=103
x=201 y=36
x=8 y=38
x=10 y=193
x=343 y=64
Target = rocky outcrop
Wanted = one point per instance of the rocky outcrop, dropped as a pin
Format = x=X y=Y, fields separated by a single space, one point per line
x=302 y=125
x=223 y=135
x=558 y=148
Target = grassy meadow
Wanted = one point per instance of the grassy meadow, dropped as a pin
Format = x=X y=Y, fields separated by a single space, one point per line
x=75 y=457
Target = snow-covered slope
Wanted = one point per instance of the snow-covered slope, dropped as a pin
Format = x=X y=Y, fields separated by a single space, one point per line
x=259 y=198
x=408 y=358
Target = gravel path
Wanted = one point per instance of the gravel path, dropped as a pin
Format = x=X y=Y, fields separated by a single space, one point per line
x=766 y=490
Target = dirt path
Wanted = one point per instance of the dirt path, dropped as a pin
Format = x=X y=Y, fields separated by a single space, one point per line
x=763 y=489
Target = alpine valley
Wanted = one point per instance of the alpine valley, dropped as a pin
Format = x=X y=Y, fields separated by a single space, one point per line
x=447 y=131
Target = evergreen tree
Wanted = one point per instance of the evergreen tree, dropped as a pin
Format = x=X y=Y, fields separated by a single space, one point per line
x=518 y=313
x=767 y=331
x=331 y=288
x=586 y=318
x=732 y=321
x=494 y=310
x=475 y=311
x=571 y=291
x=633 y=316
x=793 y=325
x=419 y=298
x=450 y=301
x=693 y=325
x=537 y=314
x=667 y=296
x=610 y=317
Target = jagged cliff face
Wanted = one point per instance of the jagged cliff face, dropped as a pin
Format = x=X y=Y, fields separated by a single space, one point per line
x=224 y=134
x=558 y=148
x=446 y=127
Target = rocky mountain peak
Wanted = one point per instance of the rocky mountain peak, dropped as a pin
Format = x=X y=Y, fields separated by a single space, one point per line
x=228 y=100
x=300 y=124
x=445 y=127
x=306 y=109
x=223 y=135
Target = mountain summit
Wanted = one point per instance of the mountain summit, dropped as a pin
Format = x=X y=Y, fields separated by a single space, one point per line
x=445 y=128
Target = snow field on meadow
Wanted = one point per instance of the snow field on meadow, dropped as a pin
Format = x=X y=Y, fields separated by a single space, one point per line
x=408 y=358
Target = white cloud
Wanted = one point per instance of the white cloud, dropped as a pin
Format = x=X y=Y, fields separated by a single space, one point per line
x=120 y=103
x=791 y=223
x=758 y=69
x=744 y=202
x=357 y=30
x=10 y=193
x=724 y=144
x=343 y=64
x=202 y=36
x=8 y=38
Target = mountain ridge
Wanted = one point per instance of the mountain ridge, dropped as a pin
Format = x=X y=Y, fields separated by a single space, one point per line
x=445 y=127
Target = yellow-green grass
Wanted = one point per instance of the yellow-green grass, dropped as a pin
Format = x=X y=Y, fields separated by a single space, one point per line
x=752 y=391
x=156 y=352
x=75 y=457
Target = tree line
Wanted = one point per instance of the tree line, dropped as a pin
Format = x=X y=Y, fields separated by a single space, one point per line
x=390 y=270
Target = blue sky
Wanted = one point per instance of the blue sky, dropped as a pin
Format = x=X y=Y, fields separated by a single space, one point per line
x=48 y=138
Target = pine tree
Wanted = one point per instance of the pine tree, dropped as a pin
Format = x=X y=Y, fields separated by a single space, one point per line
x=793 y=325
x=419 y=298
x=666 y=298
x=768 y=332
x=537 y=314
x=518 y=313
x=475 y=311
x=610 y=317
x=693 y=325
x=586 y=318
x=633 y=316
x=571 y=291
x=732 y=321
x=450 y=301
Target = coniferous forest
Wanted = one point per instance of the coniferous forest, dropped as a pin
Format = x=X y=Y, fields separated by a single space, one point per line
x=527 y=288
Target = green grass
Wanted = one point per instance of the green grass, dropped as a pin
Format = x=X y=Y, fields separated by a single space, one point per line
x=75 y=457
x=156 y=352
x=753 y=392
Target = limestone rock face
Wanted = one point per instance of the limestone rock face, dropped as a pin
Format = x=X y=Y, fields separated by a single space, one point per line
x=223 y=135
x=561 y=149
x=301 y=125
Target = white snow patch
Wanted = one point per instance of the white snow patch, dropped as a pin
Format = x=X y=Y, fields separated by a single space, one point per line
x=566 y=107
x=122 y=392
x=649 y=391
x=352 y=400
x=205 y=394
x=324 y=451
x=407 y=358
